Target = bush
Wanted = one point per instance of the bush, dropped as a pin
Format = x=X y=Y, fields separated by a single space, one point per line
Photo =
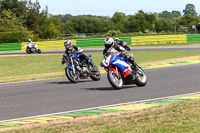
x=16 y=36
x=112 y=33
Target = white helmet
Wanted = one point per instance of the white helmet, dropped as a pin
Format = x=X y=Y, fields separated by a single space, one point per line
x=68 y=43
x=108 y=42
x=29 y=40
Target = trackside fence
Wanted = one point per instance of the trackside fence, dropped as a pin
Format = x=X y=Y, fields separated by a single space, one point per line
x=99 y=42
x=10 y=46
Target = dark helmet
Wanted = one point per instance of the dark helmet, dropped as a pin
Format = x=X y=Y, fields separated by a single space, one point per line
x=108 y=42
x=68 y=43
x=116 y=39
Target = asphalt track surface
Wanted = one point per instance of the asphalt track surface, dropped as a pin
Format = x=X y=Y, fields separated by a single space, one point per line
x=162 y=48
x=32 y=98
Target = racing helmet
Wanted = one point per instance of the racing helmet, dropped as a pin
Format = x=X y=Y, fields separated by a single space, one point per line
x=29 y=40
x=68 y=44
x=116 y=39
x=108 y=42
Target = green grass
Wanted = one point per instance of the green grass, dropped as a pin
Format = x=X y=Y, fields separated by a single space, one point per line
x=173 y=118
x=40 y=64
x=169 y=44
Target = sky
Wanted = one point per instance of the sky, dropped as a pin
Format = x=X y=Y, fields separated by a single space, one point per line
x=109 y=7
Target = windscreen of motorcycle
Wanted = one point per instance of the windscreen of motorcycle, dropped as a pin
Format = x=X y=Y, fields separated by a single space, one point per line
x=35 y=46
x=114 y=51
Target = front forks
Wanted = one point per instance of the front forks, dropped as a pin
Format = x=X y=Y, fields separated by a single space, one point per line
x=73 y=66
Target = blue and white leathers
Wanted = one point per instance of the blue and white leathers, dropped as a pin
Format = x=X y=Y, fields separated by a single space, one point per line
x=119 y=61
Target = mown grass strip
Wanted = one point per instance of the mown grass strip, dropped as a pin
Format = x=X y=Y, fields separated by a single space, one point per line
x=165 y=101
x=178 y=117
x=8 y=125
x=98 y=111
x=86 y=113
x=30 y=67
x=70 y=114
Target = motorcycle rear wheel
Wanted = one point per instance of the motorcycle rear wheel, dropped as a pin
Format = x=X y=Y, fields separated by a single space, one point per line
x=141 y=80
x=116 y=82
x=70 y=75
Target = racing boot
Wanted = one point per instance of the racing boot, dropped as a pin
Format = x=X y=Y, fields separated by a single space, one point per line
x=134 y=66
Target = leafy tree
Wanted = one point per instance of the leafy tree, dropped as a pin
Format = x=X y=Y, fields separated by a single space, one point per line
x=165 y=14
x=140 y=22
x=119 y=20
x=188 y=20
x=30 y=12
x=190 y=10
x=36 y=18
x=63 y=18
x=17 y=7
x=83 y=24
x=49 y=28
x=118 y=17
x=9 y=22
x=176 y=14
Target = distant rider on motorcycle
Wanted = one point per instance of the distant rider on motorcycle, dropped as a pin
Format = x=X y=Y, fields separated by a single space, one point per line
x=77 y=50
x=121 y=47
x=29 y=44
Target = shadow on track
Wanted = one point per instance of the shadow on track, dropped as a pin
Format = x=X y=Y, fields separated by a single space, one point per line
x=68 y=82
x=108 y=88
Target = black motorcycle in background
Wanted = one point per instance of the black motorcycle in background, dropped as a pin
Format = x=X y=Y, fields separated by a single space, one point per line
x=77 y=68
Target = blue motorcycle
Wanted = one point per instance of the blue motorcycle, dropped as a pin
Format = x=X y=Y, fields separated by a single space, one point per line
x=77 y=68
x=119 y=71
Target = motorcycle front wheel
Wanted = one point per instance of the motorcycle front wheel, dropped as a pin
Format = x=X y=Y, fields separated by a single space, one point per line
x=96 y=76
x=39 y=51
x=71 y=76
x=115 y=80
x=28 y=51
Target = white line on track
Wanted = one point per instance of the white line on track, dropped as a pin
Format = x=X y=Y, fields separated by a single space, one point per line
x=141 y=101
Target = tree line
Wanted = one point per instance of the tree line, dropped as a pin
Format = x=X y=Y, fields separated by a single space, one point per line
x=22 y=19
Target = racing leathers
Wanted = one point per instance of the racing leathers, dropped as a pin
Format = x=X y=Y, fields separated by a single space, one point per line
x=29 y=44
x=120 y=49
x=77 y=50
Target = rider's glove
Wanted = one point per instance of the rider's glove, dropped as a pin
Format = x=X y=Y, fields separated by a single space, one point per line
x=122 y=54
x=63 y=61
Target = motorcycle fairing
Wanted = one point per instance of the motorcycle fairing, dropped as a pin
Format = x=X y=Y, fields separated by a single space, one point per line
x=106 y=62
x=76 y=56
x=123 y=66
x=70 y=67
x=115 y=71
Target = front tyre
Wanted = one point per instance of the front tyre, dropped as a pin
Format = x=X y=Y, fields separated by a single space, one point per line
x=28 y=51
x=39 y=51
x=96 y=76
x=71 y=76
x=115 y=79
x=141 y=78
